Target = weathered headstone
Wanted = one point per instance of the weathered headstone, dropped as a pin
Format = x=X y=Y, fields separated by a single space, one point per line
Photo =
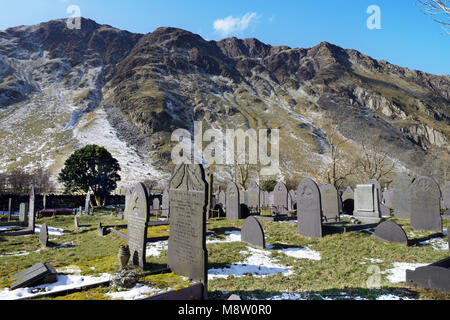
x=280 y=199
x=9 y=209
x=222 y=200
x=330 y=203
x=187 y=254
x=426 y=205
x=43 y=235
x=137 y=225
x=31 y=211
x=128 y=195
x=232 y=201
x=23 y=211
x=165 y=203
x=348 y=201
x=391 y=232
x=401 y=196
x=309 y=209
x=252 y=233
x=38 y=274
x=446 y=196
x=387 y=196
x=367 y=204
x=86 y=203
x=254 y=196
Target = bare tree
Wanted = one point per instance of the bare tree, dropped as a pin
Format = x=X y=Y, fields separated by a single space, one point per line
x=438 y=10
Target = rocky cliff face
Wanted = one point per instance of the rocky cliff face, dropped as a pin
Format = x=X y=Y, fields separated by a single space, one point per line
x=61 y=89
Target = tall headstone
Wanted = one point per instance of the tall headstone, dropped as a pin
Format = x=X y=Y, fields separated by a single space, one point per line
x=128 y=195
x=31 y=212
x=44 y=201
x=378 y=186
x=348 y=201
x=187 y=254
x=43 y=235
x=385 y=211
x=367 y=204
x=222 y=199
x=252 y=233
x=23 y=209
x=165 y=203
x=280 y=198
x=9 y=209
x=254 y=196
x=86 y=203
x=137 y=225
x=426 y=205
x=330 y=203
x=401 y=196
x=309 y=209
x=233 y=211
x=446 y=196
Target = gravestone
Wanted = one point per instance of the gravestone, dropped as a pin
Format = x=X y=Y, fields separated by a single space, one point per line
x=222 y=200
x=75 y=221
x=309 y=209
x=44 y=201
x=266 y=198
x=232 y=201
x=348 y=201
x=86 y=203
x=280 y=198
x=187 y=254
x=128 y=195
x=23 y=208
x=254 y=196
x=43 y=235
x=31 y=211
x=435 y=277
x=252 y=233
x=9 y=209
x=387 y=196
x=38 y=274
x=426 y=205
x=385 y=211
x=243 y=197
x=401 y=196
x=155 y=204
x=330 y=203
x=391 y=232
x=446 y=196
x=165 y=203
x=367 y=204
x=138 y=216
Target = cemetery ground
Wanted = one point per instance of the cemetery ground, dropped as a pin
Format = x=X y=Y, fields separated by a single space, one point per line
x=348 y=266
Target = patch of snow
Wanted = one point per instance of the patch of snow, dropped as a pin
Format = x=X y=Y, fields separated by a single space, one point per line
x=51 y=231
x=392 y=297
x=301 y=253
x=232 y=236
x=259 y=264
x=398 y=273
x=154 y=249
x=140 y=291
x=64 y=282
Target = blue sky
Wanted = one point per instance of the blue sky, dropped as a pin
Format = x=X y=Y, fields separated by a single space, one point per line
x=407 y=37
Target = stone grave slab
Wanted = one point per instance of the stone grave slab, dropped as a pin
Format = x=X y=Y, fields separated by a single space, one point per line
x=252 y=233
x=389 y=231
x=187 y=254
x=36 y=275
x=426 y=205
x=309 y=209
x=233 y=209
x=435 y=276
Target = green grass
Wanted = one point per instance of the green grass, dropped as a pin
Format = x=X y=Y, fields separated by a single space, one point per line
x=343 y=266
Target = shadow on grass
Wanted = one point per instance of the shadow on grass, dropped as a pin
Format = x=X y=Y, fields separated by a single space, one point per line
x=329 y=294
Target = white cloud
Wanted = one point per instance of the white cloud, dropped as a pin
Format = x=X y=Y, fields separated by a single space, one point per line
x=229 y=24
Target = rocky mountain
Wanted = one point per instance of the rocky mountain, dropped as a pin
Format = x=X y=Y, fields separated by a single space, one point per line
x=61 y=89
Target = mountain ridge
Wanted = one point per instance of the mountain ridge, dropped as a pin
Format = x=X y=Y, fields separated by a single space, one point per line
x=148 y=85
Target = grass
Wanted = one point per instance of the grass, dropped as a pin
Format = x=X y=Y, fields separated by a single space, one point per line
x=344 y=264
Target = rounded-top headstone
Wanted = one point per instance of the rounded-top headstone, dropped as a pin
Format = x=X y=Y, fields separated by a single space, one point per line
x=391 y=232
x=401 y=196
x=426 y=205
x=254 y=196
x=252 y=233
x=309 y=209
x=233 y=210
x=280 y=198
x=330 y=202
